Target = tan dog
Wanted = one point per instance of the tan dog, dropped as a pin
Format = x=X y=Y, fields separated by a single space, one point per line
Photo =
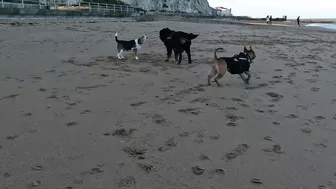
x=237 y=64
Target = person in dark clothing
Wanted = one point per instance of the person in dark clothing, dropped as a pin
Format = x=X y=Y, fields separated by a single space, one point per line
x=270 y=19
x=298 y=21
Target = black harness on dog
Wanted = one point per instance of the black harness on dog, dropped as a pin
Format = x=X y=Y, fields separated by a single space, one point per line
x=239 y=63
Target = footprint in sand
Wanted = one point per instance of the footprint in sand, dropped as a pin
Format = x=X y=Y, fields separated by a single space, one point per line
x=204 y=156
x=193 y=111
x=184 y=134
x=78 y=181
x=315 y=89
x=231 y=124
x=217 y=172
x=275 y=96
x=268 y=138
x=7 y=175
x=319 y=118
x=260 y=111
x=231 y=108
x=291 y=116
x=256 y=87
x=135 y=151
x=199 y=138
x=171 y=142
x=233 y=118
x=12 y=137
x=120 y=132
x=240 y=150
x=37 y=168
x=146 y=167
x=321 y=145
x=127 y=182
x=215 y=137
x=71 y=124
x=276 y=149
x=27 y=114
x=138 y=104
x=202 y=99
x=92 y=171
x=237 y=100
x=244 y=105
x=35 y=184
x=197 y=170
x=306 y=130
x=159 y=119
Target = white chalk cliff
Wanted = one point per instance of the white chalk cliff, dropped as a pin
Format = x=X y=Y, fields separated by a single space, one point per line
x=188 y=6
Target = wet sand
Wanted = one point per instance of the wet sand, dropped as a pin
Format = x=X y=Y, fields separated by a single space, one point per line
x=74 y=116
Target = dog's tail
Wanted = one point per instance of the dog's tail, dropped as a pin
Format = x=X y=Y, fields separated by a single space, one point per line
x=192 y=36
x=215 y=53
x=116 y=37
x=189 y=36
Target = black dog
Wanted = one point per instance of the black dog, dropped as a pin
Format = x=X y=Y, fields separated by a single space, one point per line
x=178 y=41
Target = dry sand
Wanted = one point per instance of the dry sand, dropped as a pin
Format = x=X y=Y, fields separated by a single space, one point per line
x=64 y=95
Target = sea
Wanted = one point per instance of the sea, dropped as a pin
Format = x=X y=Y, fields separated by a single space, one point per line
x=331 y=27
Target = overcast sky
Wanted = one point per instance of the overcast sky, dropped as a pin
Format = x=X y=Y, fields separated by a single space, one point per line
x=291 y=8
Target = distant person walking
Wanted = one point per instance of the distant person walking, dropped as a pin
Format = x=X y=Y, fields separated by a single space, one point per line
x=267 y=19
x=298 y=21
x=270 y=19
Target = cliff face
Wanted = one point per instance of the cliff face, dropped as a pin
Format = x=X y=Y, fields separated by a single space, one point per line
x=188 y=6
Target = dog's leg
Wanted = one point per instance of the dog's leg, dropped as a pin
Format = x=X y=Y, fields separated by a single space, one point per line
x=243 y=78
x=169 y=52
x=180 y=57
x=212 y=74
x=248 y=76
x=136 y=53
x=121 y=56
x=189 y=56
x=176 y=53
x=219 y=76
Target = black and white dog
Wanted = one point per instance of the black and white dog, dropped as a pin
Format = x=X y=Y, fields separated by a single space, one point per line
x=178 y=41
x=134 y=45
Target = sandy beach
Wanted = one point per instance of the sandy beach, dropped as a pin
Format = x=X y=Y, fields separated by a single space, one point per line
x=73 y=116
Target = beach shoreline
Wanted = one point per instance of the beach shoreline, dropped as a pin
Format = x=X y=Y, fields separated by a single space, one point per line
x=73 y=115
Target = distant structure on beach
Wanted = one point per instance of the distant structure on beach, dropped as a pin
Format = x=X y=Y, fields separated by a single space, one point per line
x=222 y=11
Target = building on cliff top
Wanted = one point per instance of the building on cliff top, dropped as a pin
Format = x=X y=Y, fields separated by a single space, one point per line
x=222 y=11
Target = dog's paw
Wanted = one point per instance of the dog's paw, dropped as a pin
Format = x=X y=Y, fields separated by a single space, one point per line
x=137 y=58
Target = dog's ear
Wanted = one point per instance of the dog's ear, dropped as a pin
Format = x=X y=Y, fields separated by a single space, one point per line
x=245 y=49
x=250 y=48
